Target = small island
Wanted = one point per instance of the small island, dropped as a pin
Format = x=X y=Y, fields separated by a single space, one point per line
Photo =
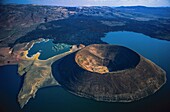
x=109 y=73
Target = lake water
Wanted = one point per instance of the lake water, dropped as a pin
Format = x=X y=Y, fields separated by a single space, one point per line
x=48 y=49
x=56 y=99
x=153 y=49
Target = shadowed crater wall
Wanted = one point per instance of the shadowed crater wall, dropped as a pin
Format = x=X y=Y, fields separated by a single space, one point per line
x=102 y=58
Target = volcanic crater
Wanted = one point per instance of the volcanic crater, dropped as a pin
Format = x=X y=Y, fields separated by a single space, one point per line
x=109 y=73
x=103 y=59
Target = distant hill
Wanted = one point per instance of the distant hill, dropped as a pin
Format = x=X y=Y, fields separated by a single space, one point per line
x=75 y=25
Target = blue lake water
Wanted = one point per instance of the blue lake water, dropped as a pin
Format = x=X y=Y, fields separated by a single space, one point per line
x=156 y=50
x=55 y=99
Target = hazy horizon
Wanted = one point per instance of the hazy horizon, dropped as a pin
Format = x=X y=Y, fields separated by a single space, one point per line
x=112 y=3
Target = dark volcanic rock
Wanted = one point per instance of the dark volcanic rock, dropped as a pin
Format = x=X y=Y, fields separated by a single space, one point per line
x=78 y=25
x=130 y=76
